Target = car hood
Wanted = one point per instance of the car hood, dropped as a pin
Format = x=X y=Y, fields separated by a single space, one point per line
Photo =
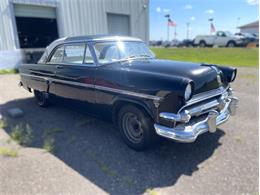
x=204 y=77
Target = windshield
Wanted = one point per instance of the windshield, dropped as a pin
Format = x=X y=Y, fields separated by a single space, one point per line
x=108 y=52
x=229 y=34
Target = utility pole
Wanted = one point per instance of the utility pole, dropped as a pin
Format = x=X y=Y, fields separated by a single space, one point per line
x=188 y=30
x=238 y=19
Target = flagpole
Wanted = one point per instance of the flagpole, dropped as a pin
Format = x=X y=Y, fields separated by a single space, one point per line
x=188 y=28
x=168 y=28
x=168 y=31
x=175 y=33
x=211 y=22
x=238 y=19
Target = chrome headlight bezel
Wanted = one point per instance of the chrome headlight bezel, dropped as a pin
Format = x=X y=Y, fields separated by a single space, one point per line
x=233 y=76
x=188 y=92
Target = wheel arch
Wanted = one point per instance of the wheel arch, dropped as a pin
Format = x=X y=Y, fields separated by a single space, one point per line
x=120 y=102
x=231 y=41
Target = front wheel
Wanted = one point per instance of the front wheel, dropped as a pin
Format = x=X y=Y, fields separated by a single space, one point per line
x=41 y=98
x=202 y=44
x=231 y=44
x=136 y=128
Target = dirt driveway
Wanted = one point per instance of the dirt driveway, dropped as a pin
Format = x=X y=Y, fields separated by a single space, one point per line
x=90 y=158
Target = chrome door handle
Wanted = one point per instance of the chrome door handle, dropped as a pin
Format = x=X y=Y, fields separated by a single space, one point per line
x=59 y=67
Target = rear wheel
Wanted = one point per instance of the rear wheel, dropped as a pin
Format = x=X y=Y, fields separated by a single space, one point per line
x=136 y=128
x=41 y=98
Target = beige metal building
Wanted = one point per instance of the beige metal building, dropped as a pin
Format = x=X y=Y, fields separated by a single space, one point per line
x=250 y=28
x=28 y=26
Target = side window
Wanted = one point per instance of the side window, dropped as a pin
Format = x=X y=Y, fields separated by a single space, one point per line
x=57 y=55
x=74 y=53
x=107 y=52
x=88 y=57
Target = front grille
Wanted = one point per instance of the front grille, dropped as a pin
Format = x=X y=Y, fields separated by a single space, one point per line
x=204 y=97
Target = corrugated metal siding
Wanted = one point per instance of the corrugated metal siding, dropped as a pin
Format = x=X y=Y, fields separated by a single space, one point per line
x=81 y=17
x=7 y=35
x=76 y=17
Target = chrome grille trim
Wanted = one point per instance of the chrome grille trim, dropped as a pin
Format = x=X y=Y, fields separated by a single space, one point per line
x=204 y=96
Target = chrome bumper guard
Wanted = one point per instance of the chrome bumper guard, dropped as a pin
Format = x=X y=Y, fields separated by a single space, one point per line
x=188 y=130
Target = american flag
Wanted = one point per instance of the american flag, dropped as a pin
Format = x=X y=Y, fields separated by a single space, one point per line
x=171 y=23
x=212 y=28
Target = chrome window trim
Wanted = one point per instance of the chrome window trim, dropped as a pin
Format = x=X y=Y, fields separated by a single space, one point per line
x=84 y=64
x=124 y=92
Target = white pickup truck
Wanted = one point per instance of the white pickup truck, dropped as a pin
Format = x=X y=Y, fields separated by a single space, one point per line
x=221 y=38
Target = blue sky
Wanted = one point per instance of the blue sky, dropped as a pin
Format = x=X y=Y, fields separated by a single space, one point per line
x=197 y=13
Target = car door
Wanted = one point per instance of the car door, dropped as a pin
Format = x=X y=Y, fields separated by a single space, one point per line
x=221 y=39
x=42 y=73
x=74 y=77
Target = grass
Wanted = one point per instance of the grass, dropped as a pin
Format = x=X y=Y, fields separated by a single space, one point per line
x=8 y=152
x=52 y=131
x=72 y=140
x=151 y=191
x=107 y=170
x=8 y=71
x=48 y=144
x=247 y=57
x=22 y=134
x=3 y=123
x=85 y=121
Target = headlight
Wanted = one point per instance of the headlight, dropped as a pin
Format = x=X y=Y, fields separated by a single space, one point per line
x=187 y=93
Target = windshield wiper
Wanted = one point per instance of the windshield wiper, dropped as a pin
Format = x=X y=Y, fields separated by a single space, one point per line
x=144 y=55
x=139 y=56
x=130 y=57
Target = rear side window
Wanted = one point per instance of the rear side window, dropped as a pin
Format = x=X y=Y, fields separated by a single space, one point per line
x=74 y=54
x=43 y=59
x=57 y=55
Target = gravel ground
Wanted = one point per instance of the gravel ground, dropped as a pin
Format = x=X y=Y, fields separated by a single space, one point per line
x=90 y=158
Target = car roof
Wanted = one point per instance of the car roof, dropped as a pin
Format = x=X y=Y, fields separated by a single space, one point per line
x=76 y=39
x=100 y=38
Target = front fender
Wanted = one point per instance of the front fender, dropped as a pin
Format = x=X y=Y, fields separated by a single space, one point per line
x=227 y=73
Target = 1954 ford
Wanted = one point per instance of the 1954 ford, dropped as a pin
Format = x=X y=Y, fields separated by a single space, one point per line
x=145 y=97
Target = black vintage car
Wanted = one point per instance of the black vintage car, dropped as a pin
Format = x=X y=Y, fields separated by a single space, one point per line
x=145 y=97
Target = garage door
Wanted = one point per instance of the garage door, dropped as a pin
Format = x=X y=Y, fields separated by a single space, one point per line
x=23 y=10
x=118 y=24
x=36 y=25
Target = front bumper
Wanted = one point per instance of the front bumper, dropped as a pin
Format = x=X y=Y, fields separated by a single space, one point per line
x=215 y=113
